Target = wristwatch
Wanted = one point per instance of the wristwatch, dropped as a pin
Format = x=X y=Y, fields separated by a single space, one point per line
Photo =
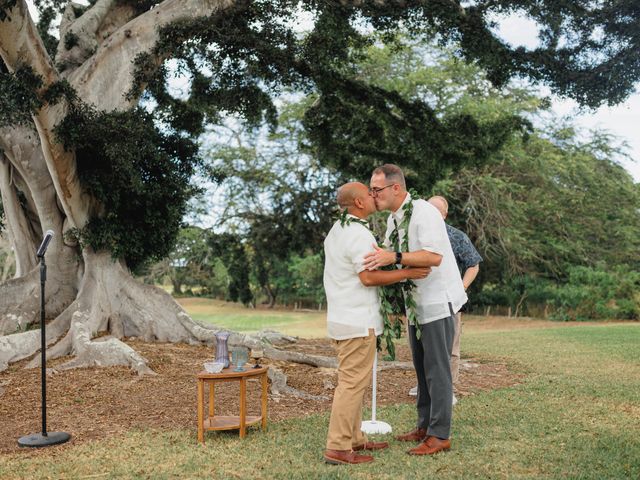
x=398 y=258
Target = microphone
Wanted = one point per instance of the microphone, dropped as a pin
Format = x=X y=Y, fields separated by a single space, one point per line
x=45 y=243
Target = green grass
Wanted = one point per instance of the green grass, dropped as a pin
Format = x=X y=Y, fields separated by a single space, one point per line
x=240 y=319
x=575 y=415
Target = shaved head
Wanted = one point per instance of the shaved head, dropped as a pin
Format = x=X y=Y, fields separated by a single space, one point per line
x=354 y=197
x=441 y=204
x=348 y=192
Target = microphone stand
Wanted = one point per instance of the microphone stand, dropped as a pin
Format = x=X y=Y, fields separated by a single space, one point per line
x=44 y=438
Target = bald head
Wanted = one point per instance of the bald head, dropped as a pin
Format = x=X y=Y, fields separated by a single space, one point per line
x=348 y=193
x=355 y=198
x=441 y=204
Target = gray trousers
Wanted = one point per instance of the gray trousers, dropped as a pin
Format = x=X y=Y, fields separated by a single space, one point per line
x=431 y=359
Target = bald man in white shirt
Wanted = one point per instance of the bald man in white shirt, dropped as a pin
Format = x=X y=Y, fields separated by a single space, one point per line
x=438 y=298
x=353 y=321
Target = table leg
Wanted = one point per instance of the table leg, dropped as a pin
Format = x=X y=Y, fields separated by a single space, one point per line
x=243 y=406
x=264 y=401
x=211 y=399
x=201 y=411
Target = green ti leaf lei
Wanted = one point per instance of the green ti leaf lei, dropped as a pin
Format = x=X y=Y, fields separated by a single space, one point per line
x=345 y=219
x=408 y=286
x=392 y=298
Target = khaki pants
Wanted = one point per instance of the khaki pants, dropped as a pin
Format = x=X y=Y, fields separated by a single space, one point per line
x=355 y=361
x=455 y=351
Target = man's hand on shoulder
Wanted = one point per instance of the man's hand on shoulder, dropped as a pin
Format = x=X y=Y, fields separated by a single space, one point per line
x=379 y=257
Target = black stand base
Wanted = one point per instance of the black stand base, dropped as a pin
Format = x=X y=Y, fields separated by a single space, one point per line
x=36 y=440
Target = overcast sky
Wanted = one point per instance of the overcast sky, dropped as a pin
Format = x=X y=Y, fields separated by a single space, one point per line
x=623 y=120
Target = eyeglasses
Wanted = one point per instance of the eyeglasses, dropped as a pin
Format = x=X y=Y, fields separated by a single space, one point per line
x=375 y=191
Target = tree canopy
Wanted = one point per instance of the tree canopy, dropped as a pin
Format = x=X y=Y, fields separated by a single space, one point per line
x=237 y=57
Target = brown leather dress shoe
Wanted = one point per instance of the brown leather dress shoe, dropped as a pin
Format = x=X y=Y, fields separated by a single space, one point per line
x=371 y=446
x=417 y=435
x=338 y=457
x=430 y=446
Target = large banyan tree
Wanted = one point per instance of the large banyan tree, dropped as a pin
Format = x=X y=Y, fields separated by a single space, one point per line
x=98 y=145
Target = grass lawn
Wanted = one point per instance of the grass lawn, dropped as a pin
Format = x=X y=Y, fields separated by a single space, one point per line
x=240 y=319
x=576 y=415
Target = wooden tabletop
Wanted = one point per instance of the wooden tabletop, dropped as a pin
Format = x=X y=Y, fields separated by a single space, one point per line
x=249 y=371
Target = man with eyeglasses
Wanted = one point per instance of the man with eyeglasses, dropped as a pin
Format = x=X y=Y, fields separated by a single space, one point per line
x=353 y=320
x=438 y=298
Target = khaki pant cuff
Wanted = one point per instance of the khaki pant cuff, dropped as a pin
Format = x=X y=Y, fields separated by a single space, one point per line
x=337 y=446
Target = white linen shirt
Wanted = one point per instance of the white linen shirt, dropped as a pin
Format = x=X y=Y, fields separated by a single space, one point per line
x=443 y=286
x=352 y=308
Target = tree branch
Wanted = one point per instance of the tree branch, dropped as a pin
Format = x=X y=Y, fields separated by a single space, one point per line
x=9 y=261
x=116 y=55
x=78 y=37
x=21 y=46
x=31 y=175
x=18 y=228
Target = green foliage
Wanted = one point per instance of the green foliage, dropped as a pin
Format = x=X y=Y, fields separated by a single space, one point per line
x=49 y=11
x=306 y=274
x=70 y=40
x=544 y=206
x=138 y=175
x=23 y=95
x=254 y=48
x=47 y=17
x=230 y=248
x=191 y=267
x=589 y=293
x=366 y=103
x=540 y=209
x=276 y=196
x=19 y=98
x=592 y=293
x=250 y=52
x=427 y=114
x=238 y=62
x=407 y=132
x=539 y=205
x=58 y=91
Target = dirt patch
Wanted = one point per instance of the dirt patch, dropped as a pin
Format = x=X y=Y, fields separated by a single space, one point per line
x=97 y=403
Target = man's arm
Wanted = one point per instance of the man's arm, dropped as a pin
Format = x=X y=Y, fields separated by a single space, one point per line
x=466 y=255
x=420 y=258
x=470 y=275
x=379 y=278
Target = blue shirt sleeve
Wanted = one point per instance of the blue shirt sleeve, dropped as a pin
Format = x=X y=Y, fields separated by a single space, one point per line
x=466 y=254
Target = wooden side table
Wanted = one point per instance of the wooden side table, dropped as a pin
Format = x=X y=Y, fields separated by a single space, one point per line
x=221 y=422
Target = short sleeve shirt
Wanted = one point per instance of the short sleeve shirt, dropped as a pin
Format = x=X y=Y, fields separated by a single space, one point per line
x=466 y=254
x=352 y=308
x=443 y=286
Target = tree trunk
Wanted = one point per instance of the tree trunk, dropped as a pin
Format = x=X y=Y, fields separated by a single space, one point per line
x=177 y=286
x=8 y=268
x=271 y=295
x=88 y=294
x=23 y=169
